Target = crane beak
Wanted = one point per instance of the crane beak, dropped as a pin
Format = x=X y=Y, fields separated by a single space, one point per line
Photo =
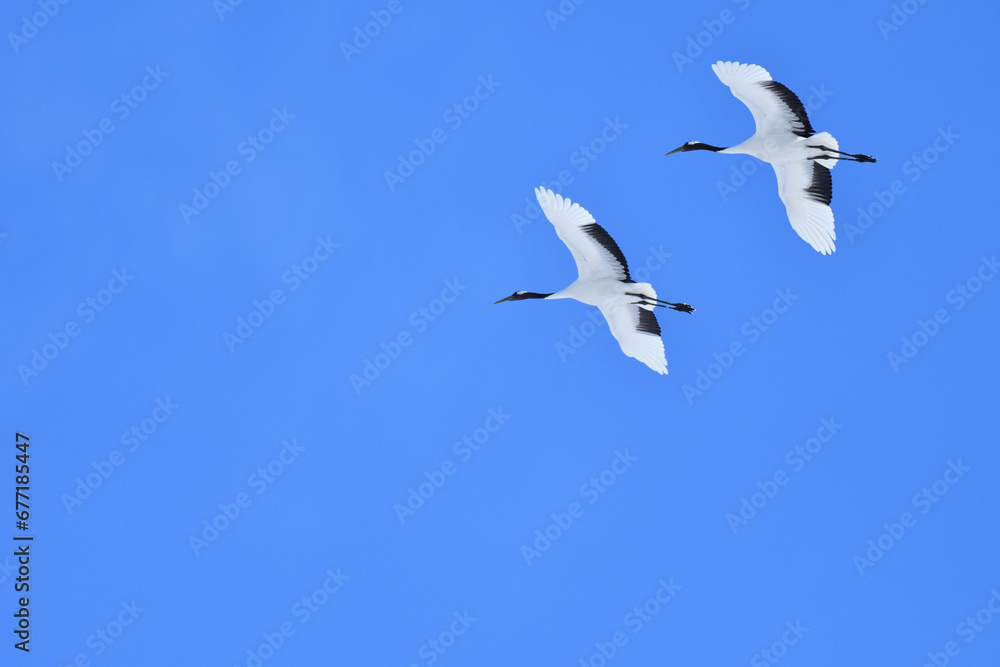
x=676 y=150
x=504 y=299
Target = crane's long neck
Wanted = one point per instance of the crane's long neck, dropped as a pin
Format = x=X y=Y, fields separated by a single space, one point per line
x=697 y=146
x=706 y=147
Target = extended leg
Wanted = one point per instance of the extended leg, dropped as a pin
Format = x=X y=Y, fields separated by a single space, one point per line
x=683 y=307
x=841 y=155
x=652 y=301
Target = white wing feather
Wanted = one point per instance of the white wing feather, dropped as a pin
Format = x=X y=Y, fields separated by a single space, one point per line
x=595 y=259
x=623 y=321
x=811 y=219
x=770 y=102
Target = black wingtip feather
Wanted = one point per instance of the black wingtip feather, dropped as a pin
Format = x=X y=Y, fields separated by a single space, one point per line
x=821 y=189
x=598 y=233
x=794 y=104
x=648 y=323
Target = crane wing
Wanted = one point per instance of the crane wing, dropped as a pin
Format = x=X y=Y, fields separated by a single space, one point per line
x=596 y=253
x=806 y=189
x=638 y=333
x=774 y=107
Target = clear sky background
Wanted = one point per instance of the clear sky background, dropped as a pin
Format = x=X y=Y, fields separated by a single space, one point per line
x=275 y=419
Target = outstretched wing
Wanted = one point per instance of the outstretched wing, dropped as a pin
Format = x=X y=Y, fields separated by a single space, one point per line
x=596 y=253
x=638 y=333
x=774 y=107
x=806 y=189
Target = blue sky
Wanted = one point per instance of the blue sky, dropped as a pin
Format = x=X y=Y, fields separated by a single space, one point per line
x=274 y=418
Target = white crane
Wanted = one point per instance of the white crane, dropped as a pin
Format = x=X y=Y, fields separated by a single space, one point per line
x=604 y=282
x=801 y=159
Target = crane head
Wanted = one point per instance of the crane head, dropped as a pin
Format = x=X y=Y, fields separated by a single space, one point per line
x=521 y=294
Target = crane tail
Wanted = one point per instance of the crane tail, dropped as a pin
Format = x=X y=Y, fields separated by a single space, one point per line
x=825 y=139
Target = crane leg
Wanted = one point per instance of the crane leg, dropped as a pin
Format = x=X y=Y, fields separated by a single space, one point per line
x=651 y=301
x=841 y=155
